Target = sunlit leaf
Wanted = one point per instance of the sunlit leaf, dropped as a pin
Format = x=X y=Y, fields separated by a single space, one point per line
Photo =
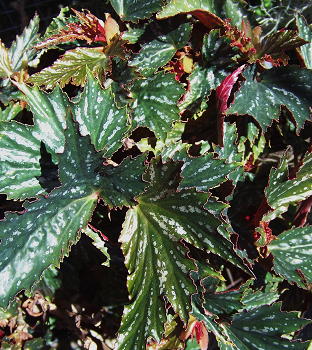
x=72 y=67
x=155 y=258
x=154 y=109
x=99 y=117
x=5 y=65
x=20 y=156
x=10 y=112
x=281 y=192
x=22 y=50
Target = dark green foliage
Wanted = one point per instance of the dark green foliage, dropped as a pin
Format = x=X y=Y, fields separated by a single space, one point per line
x=159 y=196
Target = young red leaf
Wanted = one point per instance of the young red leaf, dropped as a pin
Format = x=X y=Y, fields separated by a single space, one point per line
x=223 y=91
x=89 y=29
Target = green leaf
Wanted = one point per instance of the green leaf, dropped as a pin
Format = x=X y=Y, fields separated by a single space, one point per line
x=50 y=111
x=99 y=117
x=72 y=67
x=262 y=97
x=159 y=51
x=305 y=32
x=133 y=10
x=201 y=82
x=133 y=34
x=120 y=184
x=207 y=74
x=230 y=152
x=175 y=7
x=234 y=10
x=167 y=148
x=157 y=265
x=292 y=255
x=20 y=156
x=258 y=298
x=58 y=23
x=225 y=302
x=98 y=243
x=32 y=242
x=153 y=108
x=22 y=50
x=44 y=233
x=203 y=172
x=5 y=64
x=155 y=258
x=281 y=192
x=267 y=295
x=10 y=112
x=262 y=327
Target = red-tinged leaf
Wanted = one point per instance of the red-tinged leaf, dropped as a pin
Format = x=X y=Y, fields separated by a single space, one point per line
x=208 y=19
x=269 y=49
x=303 y=212
x=242 y=39
x=223 y=91
x=201 y=335
x=89 y=29
x=272 y=47
x=196 y=329
x=266 y=235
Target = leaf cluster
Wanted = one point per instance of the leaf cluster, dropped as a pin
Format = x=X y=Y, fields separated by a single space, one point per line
x=175 y=113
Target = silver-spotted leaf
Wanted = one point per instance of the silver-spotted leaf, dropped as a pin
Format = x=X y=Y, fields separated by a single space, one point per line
x=154 y=109
x=22 y=49
x=50 y=113
x=207 y=74
x=72 y=67
x=281 y=192
x=292 y=252
x=159 y=51
x=99 y=243
x=305 y=32
x=133 y=10
x=99 y=117
x=40 y=237
x=263 y=96
x=156 y=259
x=121 y=184
x=235 y=11
x=262 y=328
x=223 y=302
x=203 y=172
x=175 y=7
x=5 y=63
x=116 y=185
x=19 y=161
x=10 y=112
